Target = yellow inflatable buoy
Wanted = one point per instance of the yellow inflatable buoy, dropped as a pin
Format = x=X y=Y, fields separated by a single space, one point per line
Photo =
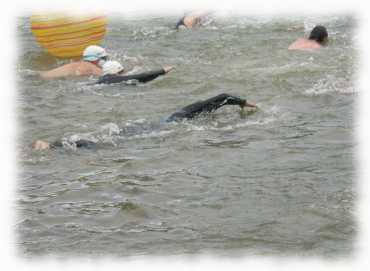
x=67 y=36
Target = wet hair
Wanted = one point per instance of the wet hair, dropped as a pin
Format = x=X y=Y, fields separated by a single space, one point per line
x=318 y=34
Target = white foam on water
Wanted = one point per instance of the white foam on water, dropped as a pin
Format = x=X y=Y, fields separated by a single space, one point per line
x=272 y=113
x=133 y=122
x=27 y=72
x=69 y=142
x=110 y=129
x=245 y=124
x=153 y=134
x=330 y=85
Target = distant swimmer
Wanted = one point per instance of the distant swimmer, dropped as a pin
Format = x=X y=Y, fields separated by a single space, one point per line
x=192 y=19
x=317 y=39
x=188 y=112
x=44 y=145
x=113 y=72
x=93 y=59
x=209 y=105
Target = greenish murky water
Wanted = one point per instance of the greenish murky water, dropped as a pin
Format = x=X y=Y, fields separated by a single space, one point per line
x=278 y=182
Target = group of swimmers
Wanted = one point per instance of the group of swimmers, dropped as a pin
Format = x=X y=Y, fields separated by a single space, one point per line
x=95 y=62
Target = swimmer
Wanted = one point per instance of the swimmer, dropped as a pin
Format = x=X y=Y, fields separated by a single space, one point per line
x=93 y=59
x=209 y=105
x=44 y=145
x=113 y=72
x=188 y=112
x=193 y=19
x=317 y=39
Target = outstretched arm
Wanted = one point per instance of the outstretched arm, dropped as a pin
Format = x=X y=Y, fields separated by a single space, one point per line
x=141 y=77
x=208 y=105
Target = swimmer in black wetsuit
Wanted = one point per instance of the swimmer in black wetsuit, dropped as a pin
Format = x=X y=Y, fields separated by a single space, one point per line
x=188 y=112
x=180 y=23
x=113 y=73
x=208 y=106
x=81 y=143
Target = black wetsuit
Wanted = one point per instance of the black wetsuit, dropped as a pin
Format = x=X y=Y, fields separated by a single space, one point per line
x=206 y=106
x=180 y=23
x=187 y=112
x=81 y=143
x=141 y=77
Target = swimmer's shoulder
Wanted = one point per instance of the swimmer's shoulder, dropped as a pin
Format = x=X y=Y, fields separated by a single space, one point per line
x=87 y=68
x=304 y=44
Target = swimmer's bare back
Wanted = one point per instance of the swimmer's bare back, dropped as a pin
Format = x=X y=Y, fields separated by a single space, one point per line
x=304 y=44
x=79 y=68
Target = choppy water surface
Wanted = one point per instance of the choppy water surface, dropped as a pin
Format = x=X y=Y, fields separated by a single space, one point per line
x=278 y=182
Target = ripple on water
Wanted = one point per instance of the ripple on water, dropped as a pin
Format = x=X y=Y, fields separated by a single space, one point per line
x=276 y=182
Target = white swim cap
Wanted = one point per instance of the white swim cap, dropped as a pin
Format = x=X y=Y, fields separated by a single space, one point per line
x=93 y=53
x=112 y=67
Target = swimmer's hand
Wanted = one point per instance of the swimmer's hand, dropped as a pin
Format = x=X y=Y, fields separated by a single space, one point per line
x=249 y=106
x=247 y=109
x=245 y=113
x=39 y=145
x=167 y=68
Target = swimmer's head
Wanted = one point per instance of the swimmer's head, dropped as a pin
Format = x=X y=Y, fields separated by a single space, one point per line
x=319 y=34
x=112 y=67
x=94 y=53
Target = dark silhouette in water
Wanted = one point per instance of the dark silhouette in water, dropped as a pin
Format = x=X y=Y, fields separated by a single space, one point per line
x=187 y=112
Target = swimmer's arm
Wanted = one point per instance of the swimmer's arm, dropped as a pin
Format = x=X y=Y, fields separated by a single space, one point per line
x=141 y=77
x=146 y=76
x=151 y=75
x=63 y=71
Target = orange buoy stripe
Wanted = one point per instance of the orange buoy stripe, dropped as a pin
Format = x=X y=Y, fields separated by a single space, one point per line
x=70 y=33
x=73 y=43
x=75 y=37
x=36 y=27
x=62 y=30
